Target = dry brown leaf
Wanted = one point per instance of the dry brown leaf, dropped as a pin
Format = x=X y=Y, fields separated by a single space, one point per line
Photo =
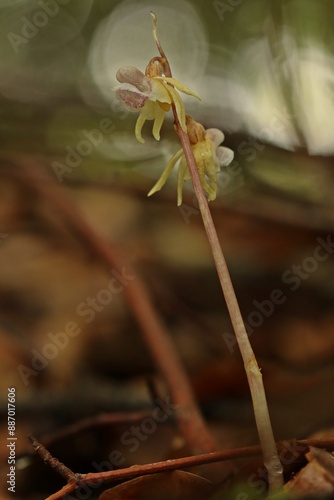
x=317 y=476
x=176 y=485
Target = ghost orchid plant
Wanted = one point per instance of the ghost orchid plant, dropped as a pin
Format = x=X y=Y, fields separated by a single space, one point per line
x=153 y=94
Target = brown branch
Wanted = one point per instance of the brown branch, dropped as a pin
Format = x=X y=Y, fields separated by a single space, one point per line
x=54 y=463
x=291 y=446
x=190 y=421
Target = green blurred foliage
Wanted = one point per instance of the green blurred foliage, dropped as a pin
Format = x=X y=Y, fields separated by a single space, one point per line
x=260 y=59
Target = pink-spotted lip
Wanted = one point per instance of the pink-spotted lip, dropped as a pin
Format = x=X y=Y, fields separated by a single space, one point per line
x=131 y=98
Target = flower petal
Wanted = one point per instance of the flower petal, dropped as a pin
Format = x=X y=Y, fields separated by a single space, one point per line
x=159 y=92
x=204 y=154
x=181 y=176
x=225 y=156
x=158 y=121
x=166 y=173
x=147 y=113
x=215 y=135
x=130 y=74
x=130 y=96
x=181 y=114
x=178 y=85
x=211 y=188
x=211 y=174
x=212 y=194
x=139 y=126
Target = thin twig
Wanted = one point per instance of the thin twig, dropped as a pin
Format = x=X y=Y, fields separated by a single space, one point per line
x=295 y=450
x=54 y=463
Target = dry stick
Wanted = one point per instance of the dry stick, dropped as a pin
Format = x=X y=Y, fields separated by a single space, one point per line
x=188 y=416
x=54 y=463
x=254 y=376
x=165 y=466
x=294 y=448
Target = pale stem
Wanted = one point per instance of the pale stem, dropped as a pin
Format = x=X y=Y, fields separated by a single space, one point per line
x=254 y=376
x=270 y=455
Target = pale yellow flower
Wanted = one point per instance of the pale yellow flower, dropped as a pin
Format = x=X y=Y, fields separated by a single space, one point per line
x=152 y=94
x=209 y=156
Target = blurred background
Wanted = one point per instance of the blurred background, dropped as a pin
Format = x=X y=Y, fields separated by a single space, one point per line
x=265 y=73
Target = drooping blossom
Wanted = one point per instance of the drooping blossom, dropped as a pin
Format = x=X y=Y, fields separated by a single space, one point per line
x=209 y=156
